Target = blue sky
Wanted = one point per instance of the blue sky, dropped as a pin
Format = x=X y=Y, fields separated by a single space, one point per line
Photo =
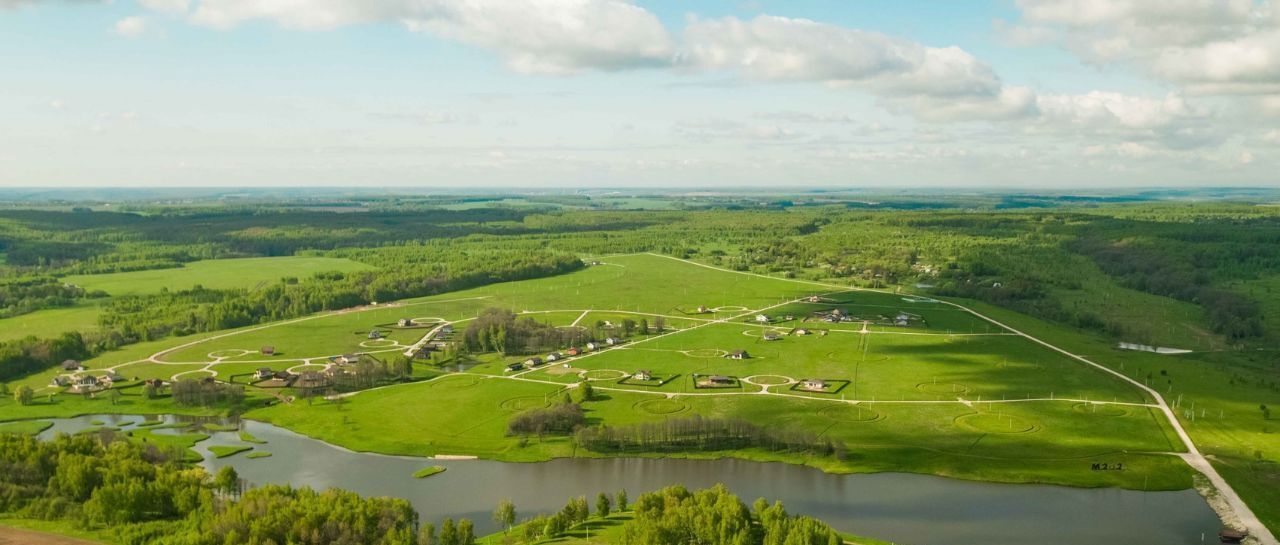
x=536 y=93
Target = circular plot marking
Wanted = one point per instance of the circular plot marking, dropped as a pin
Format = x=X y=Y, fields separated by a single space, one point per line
x=768 y=380
x=523 y=403
x=456 y=384
x=307 y=367
x=209 y=372
x=850 y=413
x=429 y=320
x=729 y=308
x=1099 y=409
x=230 y=353
x=705 y=353
x=379 y=343
x=942 y=388
x=602 y=374
x=996 y=423
x=662 y=405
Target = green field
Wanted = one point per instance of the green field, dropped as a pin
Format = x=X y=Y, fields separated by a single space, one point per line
x=213 y=274
x=51 y=322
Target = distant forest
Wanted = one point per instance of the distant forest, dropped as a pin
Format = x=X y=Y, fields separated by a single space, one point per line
x=1073 y=263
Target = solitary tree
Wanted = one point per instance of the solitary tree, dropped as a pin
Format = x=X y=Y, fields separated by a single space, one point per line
x=587 y=391
x=602 y=505
x=23 y=395
x=505 y=514
x=620 y=499
x=466 y=533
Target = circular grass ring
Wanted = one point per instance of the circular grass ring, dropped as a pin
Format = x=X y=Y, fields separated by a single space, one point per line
x=705 y=353
x=602 y=374
x=297 y=369
x=229 y=353
x=768 y=380
x=855 y=414
x=455 y=383
x=429 y=320
x=523 y=403
x=1004 y=424
x=210 y=372
x=662 y=406
x=379 y=343
x=1099 y=409
x=729 y=308
x=942 y=388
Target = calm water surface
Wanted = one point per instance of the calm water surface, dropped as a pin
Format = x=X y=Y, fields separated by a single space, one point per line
x=906 y=508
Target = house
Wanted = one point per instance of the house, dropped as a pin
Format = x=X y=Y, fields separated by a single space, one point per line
x=771 y=336
x=283 y=375
x=762 y=319
x=348 y=358
x=375 y=334
x=60 y=381
x=404 y=322
x=84 y=383
x=594 y=345
x=642 y=374
x=814 y=299
x=555 y=356
x=813 y=384
x=573 y=351
x=801 y=331
x=446 y=329
x=902 y=319
x=264 y=373
x=533 y=362
x=515 y=367
x=113 y=377
x=703 y=310
x=612 y=341
x=72 y=366
x=267 y=350
x=720 y=379
x=738 y=355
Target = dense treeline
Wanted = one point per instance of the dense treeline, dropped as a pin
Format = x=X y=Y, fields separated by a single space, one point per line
x=713 y=516
x=700 y=433
x=23 y=356
x=205 y=393
x=144 y=495
x=20 y=296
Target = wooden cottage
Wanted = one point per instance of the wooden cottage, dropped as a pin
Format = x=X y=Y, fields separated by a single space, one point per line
x=72 y=366
x=739 y=355
x=264 y=373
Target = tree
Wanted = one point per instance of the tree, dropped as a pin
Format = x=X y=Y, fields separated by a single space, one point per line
x=644 y=326
x=505 y=514
x=448 y=533
x=227 y=480
x=427 y=534
x=620 y=499
x=602 y=505
x=588 y=393
x=23 y=395
x=1266 y=411
x=466 y=533
x=659 y=323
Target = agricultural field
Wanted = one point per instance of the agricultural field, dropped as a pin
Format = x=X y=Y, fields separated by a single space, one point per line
x=245 y=273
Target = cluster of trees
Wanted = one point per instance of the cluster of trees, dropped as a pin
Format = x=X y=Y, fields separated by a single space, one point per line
x=713 y=516
x=562 y=418
x=702 y=433
x=205 y=393
x=500 y=330
x=30 y=354
x=144 y=495
x=23 y=295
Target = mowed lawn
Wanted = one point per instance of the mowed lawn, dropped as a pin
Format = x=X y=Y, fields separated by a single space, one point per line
x=246 y=273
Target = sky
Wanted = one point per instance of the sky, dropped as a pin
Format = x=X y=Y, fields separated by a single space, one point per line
x=614 y=93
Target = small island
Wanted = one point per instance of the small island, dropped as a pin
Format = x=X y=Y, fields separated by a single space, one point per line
x=428 y=471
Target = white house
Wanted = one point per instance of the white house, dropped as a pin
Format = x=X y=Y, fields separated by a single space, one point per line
x=761 y=318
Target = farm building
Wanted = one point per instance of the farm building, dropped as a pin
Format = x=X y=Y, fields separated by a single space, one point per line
x=404 y=322
x=267 y=350
x=801 y=331
x=555 y=356
x=642 y=374
x=347 y=358
x=72 y=365
x=60 y=381
x=611 y=341
x=593 y=345
x=738 y=355
x=771 y=336
x=375 y=334
x=813 y=384
x=264 y=373
x=533 y=362
x=762 y=318
x=515 y=367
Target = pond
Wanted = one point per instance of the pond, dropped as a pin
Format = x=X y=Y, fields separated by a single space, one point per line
x=904 y=508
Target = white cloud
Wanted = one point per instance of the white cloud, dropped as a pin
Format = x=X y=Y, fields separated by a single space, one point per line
x=534 y=36
x=167 y=6
x=131 y=27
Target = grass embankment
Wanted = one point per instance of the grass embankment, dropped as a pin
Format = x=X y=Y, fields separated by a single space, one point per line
x=223 y=451
x=609 y=530
x=25 y=427
x=181 y=441
x=249 y=438
x=428 y=471
x=62 y=532
x=258 y=454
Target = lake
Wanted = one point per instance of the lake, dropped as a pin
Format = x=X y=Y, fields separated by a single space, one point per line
x=905 y=508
